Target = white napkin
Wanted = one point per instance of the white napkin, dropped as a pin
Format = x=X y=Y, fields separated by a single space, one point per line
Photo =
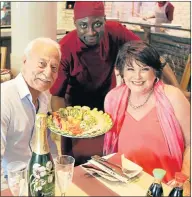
x=129 y=165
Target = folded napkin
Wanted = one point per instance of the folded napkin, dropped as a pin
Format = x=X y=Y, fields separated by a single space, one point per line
x=118 y=167
x=130 y=166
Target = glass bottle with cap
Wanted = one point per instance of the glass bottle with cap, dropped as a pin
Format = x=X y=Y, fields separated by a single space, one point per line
x=41 y=169
x=156 y=188
x=177 y=190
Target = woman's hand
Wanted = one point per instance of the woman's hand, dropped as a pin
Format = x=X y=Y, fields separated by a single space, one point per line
x=187 y=188
x=187 y=95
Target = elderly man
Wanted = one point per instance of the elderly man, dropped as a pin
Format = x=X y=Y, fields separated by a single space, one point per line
x=24 y=96
x=86 y=73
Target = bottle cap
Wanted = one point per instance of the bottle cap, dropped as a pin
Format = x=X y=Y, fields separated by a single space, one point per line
x=159 y=173
x=180 y=177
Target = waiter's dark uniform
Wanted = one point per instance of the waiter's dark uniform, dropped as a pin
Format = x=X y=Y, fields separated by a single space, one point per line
x=85 y=76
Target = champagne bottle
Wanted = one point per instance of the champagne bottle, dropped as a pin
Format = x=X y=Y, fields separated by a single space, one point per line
x=41 y=171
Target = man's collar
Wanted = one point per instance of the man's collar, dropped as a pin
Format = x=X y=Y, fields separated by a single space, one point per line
x=22 y=87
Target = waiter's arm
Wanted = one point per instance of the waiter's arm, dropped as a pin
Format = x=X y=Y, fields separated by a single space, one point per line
x=170 y=11
x=57 y=102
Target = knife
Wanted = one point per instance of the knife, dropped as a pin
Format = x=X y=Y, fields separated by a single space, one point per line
x=96 y=158
x=105 y=167
x=125 y=171
x=92 y=168
x=106 y=161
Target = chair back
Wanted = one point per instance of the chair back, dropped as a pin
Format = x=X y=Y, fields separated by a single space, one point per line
x=186 y=74
x=3 y=57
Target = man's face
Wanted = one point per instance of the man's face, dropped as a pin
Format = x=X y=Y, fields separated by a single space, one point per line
x=90 y=29
x=161 y=3
x=40 y=69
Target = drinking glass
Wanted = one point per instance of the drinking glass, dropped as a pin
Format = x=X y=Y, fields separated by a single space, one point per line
x=17 y=178
x=64 y=167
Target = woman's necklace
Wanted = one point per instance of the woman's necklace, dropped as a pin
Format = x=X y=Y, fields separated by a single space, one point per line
x=139 y=106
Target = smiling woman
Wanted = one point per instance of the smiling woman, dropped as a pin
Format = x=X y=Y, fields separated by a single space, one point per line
x=149 y=127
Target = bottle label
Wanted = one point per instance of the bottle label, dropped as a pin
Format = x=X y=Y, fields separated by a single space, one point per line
x=42 y=179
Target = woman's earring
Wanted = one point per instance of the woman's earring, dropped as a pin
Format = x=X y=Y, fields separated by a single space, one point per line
x=157 y=79
x=122 y=79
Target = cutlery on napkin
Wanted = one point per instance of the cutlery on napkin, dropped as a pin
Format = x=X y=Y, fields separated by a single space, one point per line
x=113 y=171
x=125 y=172
x=122 y=167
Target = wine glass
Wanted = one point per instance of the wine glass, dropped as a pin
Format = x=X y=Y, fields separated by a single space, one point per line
x=17 y=178
x=64 y=167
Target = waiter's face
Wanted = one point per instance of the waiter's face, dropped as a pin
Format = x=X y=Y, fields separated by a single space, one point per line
x=90 y=29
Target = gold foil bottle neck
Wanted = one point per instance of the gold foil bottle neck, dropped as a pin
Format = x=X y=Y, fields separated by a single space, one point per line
x=41 y=120
x=40 y=145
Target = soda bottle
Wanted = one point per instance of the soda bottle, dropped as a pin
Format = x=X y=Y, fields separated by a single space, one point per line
x=156 y=189
x=177 y=190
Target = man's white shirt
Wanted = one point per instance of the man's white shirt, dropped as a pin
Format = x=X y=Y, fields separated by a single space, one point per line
x=18 y=120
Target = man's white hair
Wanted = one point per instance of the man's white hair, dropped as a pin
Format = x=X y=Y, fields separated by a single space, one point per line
x=44 y=40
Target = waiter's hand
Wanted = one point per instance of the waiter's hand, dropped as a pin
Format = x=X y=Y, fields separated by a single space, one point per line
x=57 y=103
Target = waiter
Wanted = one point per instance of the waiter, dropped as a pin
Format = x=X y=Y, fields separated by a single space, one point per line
x=163 y=14
x=87 y=69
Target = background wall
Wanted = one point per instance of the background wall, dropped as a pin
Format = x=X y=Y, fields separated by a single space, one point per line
x=182 y=13
x=174 y=49
x=64 y=17
x=123 y=10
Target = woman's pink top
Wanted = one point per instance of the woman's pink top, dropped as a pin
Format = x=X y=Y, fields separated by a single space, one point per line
x=143 y=142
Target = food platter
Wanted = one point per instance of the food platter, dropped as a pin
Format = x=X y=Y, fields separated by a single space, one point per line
x=79 y=122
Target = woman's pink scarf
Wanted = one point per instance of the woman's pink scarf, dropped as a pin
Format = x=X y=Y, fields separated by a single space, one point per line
x=116 y=103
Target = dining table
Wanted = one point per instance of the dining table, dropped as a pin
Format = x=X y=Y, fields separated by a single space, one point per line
x=85 y=184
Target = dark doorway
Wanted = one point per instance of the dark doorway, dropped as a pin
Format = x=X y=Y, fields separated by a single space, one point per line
x=70 y=4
